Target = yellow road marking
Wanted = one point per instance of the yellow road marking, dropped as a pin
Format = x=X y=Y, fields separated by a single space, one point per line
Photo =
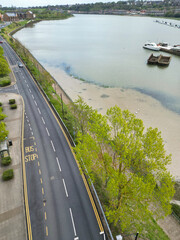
x=44 y=204
x=39 y=172
x=25 y=182
x=45 y=216
x=38 y=163
x=42 y=191
x=93 y=204
x=41 y=180
x=35 y=143
x=85 y=182
x=46 y=231
x=36 y=149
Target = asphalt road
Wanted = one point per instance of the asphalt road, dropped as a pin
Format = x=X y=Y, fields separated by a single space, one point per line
x=60 y=207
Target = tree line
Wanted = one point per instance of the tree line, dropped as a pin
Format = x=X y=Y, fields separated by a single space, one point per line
x=127 y=164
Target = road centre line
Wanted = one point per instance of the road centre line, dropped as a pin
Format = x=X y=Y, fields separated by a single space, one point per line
x=65 y=187
x=30 y=90
x=45 y=216
x=27 y=85
x=58 y=164
x=39 y=111
x=35 y=102
x=32 y=96
x=29 y=124
x=53 y=146
x=43 y=120
x=72 y=221
x=32 y=133
x=42 y=191
x=47 y=132
x=30 y=128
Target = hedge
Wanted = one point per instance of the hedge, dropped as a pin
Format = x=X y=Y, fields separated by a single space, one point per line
x=12 y=101
x=13 y=106
x=6 y=161
x=8 y=174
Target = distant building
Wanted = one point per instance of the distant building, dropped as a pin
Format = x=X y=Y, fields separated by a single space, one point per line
x=1 y=17
x=29 y=15
x=10 y=17
x=16 y=16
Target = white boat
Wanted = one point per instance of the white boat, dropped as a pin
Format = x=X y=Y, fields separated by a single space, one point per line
x=151 y=46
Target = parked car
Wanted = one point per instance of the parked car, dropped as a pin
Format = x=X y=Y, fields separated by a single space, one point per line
x=1 y=41
x=20 y=65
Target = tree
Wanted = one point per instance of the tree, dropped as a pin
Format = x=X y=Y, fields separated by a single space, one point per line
x=1 y=51
x=131 y=165
x=4 y=68
x=3 y=131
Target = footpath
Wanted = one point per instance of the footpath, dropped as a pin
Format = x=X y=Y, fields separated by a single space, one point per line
x=12 y=213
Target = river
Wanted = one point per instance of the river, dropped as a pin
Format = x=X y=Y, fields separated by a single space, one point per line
x=107 y=50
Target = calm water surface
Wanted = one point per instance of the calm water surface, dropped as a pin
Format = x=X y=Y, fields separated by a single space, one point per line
x=107 y=50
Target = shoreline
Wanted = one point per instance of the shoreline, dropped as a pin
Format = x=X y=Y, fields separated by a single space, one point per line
x=145 y=107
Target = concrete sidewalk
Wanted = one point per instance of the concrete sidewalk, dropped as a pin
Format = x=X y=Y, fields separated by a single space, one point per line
x=12 y=213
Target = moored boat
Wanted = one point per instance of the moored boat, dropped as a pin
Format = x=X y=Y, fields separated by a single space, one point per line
x=153 y=59
x=163 y=60
x=151 y=46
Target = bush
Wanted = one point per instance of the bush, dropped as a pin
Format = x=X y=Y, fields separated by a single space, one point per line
x=8 y=174
x=2 y=116
x=13 y=106
x=6 y=161
x=0 y=103
x=12 y=101
x=4 y=83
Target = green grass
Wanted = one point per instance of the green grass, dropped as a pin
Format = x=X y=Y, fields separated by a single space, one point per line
x=152 y=231
x=5 y=81
x=176 y=209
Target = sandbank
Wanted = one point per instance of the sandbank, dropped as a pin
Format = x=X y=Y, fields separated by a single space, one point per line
x=145 y=107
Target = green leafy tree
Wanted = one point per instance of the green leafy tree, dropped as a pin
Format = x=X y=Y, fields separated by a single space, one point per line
x=131 y=165
x=1 y=51
x=3 y=131
x=4 y=68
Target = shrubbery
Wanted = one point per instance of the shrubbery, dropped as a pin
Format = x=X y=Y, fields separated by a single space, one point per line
x=5 y=82
x=0 y=103
x=8 y=174
x=6 y=161
x=13 y=106
x=12 y=101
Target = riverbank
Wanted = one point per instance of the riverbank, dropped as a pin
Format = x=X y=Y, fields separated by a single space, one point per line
x=145 y=107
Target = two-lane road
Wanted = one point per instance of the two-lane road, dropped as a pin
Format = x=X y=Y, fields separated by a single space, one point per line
x=60 y=207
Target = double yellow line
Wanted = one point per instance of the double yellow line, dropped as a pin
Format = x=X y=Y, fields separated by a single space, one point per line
x=29 y=230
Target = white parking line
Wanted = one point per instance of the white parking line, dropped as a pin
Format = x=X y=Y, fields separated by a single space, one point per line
x=39 y=111
x=72 y=221
x=65 y=188
x=43 y=120
x=58 y=164
x=53 y=146
x=47 y=132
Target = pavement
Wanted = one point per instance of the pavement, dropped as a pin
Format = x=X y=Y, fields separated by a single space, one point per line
x=12 y=213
